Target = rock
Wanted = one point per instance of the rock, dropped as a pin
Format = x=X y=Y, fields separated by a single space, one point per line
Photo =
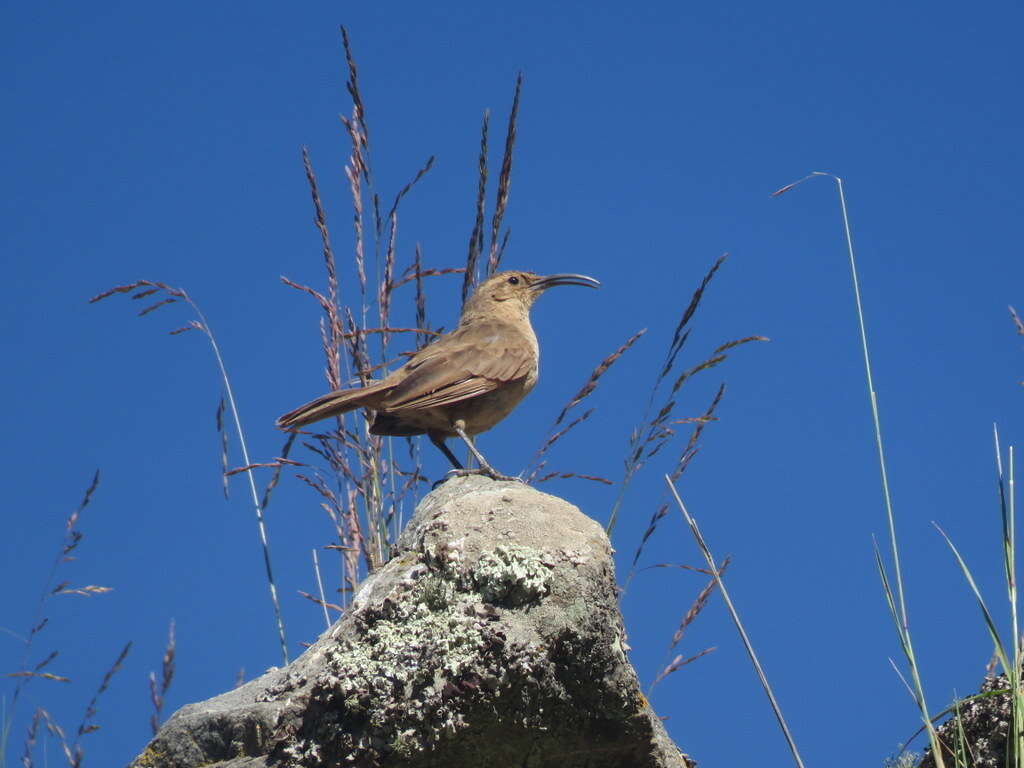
x=985 y=723
x=492 y=637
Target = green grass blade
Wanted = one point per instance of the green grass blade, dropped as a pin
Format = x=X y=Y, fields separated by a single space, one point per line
x=989 y=622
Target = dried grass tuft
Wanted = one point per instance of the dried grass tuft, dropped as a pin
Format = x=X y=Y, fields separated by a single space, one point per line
x=554 y=435
x=597 y=373
x=504 y=180
x=476 y=236
x=219 y=417
x=676 y=664
x=72 y=539
x=358 y=109
x=321 y=602
x=332 y=329
x=688 y=618
x=201 y=324
x=567 y=475
x=685 y=457
x=417 y=274
x=654 y=432
x=158 y=690
x=363 y=486
x=421 y=296
x=72 y=750
x=698 y=605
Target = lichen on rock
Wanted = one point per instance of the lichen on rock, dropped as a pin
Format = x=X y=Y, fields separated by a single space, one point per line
x=419 y=655
x=493 y=637
x=512 y=574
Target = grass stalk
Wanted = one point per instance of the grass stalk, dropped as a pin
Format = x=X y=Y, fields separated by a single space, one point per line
x=149 y=287
x=320 y=589
x=158 y=688
x=899 y=604
x=72 y=537
x=364 y=487
x=649 y=428
x=716 y=573
x=1009 y=663
x=261 y=524
x=1007 y=505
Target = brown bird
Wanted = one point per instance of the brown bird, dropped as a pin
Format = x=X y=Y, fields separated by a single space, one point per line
x=463 y=383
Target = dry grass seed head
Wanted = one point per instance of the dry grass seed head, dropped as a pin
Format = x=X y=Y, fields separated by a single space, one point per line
x=567 y=475
x=537 y=459
x=679 y=335
x=698 y=605
x=1017 y=321
x=358 y=109
x=504 y=180
x=413 y=273
x=476 y=236
x=588 y=387
x=158 y=690
x=678 y=663
x=685 y=457
x=598 y=372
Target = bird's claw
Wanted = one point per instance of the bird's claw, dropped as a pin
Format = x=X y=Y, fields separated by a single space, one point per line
x=485 y=471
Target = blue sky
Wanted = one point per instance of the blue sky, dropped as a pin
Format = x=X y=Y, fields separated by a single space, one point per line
x=159 y=143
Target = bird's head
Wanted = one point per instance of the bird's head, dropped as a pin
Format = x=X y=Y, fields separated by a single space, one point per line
x=515 y=291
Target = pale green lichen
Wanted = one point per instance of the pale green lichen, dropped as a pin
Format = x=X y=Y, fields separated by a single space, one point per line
x=423 y=652
x=438 y=593
x=424 y=639
x=512 y=574
x=405 y=744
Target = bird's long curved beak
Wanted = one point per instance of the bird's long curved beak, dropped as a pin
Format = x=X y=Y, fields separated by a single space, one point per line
x=549 y=281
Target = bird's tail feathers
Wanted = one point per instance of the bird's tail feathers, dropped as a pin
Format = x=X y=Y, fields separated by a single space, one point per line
x=332 y=404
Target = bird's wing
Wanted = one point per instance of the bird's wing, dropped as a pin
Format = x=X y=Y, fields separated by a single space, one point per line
x=468 y=363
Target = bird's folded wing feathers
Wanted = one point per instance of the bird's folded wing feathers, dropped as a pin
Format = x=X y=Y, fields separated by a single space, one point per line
x=446 y=395
x=467 y=368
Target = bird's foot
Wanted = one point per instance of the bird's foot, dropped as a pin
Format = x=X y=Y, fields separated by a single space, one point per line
x=487 y=471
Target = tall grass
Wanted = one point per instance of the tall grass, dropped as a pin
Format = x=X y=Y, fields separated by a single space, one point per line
x=717 y=576
x=892 y=585
x=1009 y=657
x=655 y=431
x=367 y=483
x=158 y=687
x=699 y=603
x=143 y=289
x=29 y=670
x=363 y=481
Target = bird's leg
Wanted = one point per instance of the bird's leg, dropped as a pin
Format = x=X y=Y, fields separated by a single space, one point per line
x=438 y=440
x=485 y=468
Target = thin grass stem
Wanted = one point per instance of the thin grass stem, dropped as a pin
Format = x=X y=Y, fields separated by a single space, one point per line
x=320 y=588
x=1013 y=675
x=1017 y=686
x=899 y=605
x=736 y=620
x=876 y=420
x=260 y=522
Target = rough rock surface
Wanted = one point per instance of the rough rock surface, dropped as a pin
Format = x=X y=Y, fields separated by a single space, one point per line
x=985 y=722
x=492 y=638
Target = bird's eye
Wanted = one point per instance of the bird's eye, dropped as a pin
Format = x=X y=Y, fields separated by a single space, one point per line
x=514 y=280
